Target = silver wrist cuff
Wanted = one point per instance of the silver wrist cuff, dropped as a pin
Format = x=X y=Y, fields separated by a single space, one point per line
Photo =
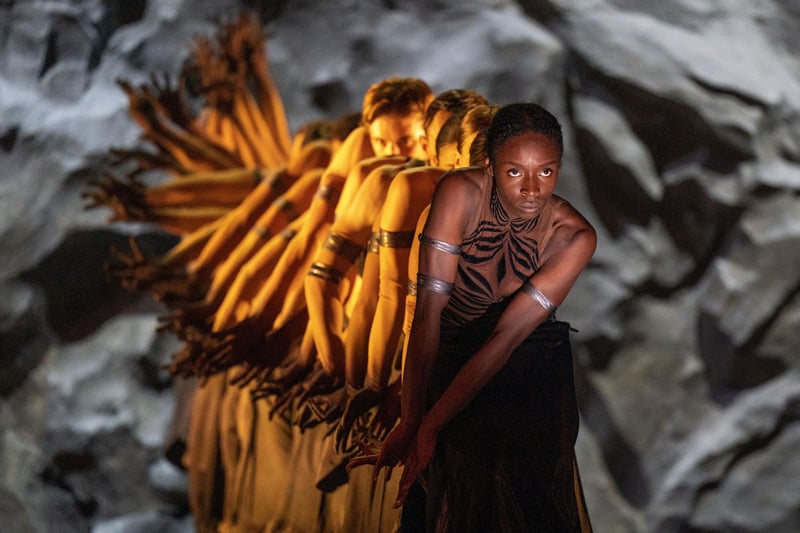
x=288 y=234
x=374 y=245
x=328 y=193
x=412 y=288
x=277 y=183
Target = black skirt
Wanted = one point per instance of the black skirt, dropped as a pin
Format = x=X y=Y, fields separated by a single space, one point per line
x=506 y=463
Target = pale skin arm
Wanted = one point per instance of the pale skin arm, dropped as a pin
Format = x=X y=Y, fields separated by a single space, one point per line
x=270 y=102
x=362 y=310
x=281 y=213
x=408 y=195
x=191 y=245
x=223 y=187
x=282 y=291
x=237 y=295
x=413 y=269
x=235 y=223
x=325 y=299
x=263 y=198
x=423 y=342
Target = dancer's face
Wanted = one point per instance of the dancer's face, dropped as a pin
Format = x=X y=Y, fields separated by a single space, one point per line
x=397 y=135
x=525 y=169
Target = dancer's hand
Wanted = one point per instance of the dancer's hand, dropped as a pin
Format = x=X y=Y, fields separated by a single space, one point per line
x=358 y=403
x=394 y=448
x=417 y=460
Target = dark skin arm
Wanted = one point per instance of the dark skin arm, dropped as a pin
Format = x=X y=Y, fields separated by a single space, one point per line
x=408 y=195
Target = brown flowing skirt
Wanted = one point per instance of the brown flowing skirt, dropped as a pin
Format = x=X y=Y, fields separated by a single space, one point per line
x=506 y=463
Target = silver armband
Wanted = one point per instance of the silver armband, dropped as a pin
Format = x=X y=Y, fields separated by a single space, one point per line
x=344 y=248
x=261 y=232
x=328 y=193
x=442 y=246
x=277 y=183
x=531 y=290
x=374 y=242
x=434 y=284
x=395 y=239
x=288 y=233
x=287 y=208
x=325 y=272
x=412 y=288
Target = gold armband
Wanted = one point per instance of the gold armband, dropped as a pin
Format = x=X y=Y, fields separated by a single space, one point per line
x=344 y=248
x=261 y=232
x=325 y=272
x=434 y=284
x=531 y=290
x=442 y=246
x=395 y=239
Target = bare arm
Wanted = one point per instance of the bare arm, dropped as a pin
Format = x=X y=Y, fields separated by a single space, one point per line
x=450 y=213
x=334 y=260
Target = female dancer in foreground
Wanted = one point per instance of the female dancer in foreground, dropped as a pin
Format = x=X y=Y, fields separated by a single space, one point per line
x=489 y=418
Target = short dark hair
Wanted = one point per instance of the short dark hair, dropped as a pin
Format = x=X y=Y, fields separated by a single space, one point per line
x=514 y=119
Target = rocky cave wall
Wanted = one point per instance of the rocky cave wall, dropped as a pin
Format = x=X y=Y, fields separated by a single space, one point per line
x=682 y=122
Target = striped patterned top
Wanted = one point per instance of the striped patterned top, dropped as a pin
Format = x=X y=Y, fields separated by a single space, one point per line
x=497 y=257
